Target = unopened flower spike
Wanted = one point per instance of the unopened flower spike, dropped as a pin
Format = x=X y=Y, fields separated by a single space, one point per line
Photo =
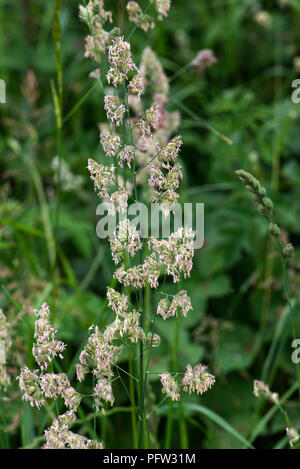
x=265 y=207
x=260 y=389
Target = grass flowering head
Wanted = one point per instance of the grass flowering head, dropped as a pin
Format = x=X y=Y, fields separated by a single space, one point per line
x=101 y=176
x=59 y=436
x=46 y=347
x=29 y=383
x=169 y=309
x=162 y=7
x=293 y=436
x=197 y=379
x=114 y=110
x=170 y=386
x=126 y=239
x=140 y=19
x=204 y=59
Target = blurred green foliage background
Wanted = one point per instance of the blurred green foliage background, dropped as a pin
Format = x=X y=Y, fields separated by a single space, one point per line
x=239 y=325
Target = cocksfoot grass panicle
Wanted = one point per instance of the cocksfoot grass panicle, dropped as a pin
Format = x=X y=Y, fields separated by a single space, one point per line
x=197 y=379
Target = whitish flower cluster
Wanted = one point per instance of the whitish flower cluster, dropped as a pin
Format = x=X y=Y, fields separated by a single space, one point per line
x=197 y=379
x=38 y=385
x=103 y=392
x=98 y=356
x=117 y=302
x=169 y=309
x=114 y=110
x=128 y=326
x=121 y=63
x=110 y=144
x=166 y=184
x=162 y=7
x=46 y=347
x=102 y=350
x=29 y=383
x=54 y=385
x=170 y=152
x=260 y=389
x=95 y=16
x=69 y=181
x=126 y=155
x=138 y=17
x=293 y=436
x=126 y=239
x=170 y=386
x=153 y=74
x=174 y=256
x=204 y=59
x=149 y=121
x=5 y=345
x=102 y=176
x=59 y=436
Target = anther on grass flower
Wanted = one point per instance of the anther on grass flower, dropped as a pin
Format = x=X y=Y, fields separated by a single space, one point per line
x=204 y=59
x=162 y=7
x=197 y=379
x=137 y=16
x=170 y=386
x=169 y=309
x=114 y=110
x=101 y=176
x=46 y=347
x=29 y=383
x=260 y=389
x=293 y=436
x=110 y=143
x=126 y=238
